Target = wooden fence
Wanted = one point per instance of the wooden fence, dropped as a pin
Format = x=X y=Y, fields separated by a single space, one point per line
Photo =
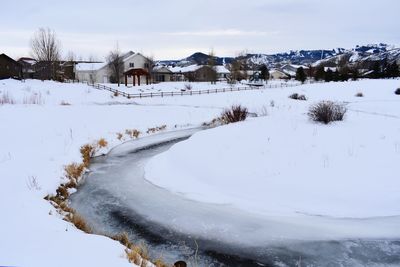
x=189 y=92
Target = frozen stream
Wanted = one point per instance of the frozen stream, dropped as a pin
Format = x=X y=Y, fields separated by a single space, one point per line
x=116 y=198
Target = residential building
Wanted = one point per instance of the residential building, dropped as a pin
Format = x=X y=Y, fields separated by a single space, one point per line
x=9 y=68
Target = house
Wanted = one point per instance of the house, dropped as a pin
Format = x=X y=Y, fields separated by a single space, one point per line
x=276 y=74
x=27 y=64
x=9 y=68
x=161 y=74
x=99 y=72
x=222 y=73
x=200 y=73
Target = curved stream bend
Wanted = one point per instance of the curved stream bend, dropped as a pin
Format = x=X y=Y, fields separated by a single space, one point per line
x=116 y=198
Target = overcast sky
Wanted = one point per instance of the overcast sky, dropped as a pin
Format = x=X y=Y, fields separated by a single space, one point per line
x=173 y=29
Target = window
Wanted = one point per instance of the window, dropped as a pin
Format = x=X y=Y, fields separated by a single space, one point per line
x=131 y=65
x=146 y=65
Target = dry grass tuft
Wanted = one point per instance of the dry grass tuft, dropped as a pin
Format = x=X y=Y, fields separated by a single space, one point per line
x=62 y=192
x=297 y=96
x=119 y=136
x=102 y=143
x=133 y=256
x=87 y=152
x=123 y=238
x=64 y=103
x=156 y=129
x=74 y=171
x=79 y=222
x=160 y=263
x=359 y=94
x=134 y=134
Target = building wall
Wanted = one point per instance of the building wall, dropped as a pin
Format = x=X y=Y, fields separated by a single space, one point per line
x=277 y=75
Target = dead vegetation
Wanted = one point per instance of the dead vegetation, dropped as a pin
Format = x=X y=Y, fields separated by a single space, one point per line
x=297 y=96
x=73 y=173
x=156 y=129
x=235 y=114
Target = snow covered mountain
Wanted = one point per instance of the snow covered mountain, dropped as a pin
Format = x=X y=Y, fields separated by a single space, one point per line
x=364 y=53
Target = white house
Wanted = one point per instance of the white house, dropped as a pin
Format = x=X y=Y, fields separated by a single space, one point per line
x=101 y=73
x=277 y=74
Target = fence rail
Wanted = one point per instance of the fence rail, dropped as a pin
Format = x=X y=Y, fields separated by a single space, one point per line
x=189 y=92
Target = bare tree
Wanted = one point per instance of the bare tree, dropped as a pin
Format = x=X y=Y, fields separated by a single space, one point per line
x=71 y=57
x=213 y=69
x=46 y=49
x=149 y=66
x=116 y=65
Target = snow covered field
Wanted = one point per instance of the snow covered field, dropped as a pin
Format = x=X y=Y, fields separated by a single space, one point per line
x=284 y=164
x=184 y=86
x=279 y=164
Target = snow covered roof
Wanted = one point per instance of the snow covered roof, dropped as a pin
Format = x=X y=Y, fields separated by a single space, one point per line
x=190 y=68
x=222 y=69
x=219 y=69
x=89 y=66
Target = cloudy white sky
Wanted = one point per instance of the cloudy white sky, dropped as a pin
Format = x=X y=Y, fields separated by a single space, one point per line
x=173 y=29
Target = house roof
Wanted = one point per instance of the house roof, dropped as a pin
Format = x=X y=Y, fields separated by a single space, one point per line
x=190 y=68
x=222 y=69
x=27 y=60
x=8 y=58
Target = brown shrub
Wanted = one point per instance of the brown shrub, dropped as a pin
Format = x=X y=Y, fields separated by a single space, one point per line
x=234 y=114
x=119 y=136
x=326 y=112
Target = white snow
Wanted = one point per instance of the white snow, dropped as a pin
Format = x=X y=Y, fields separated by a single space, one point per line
x=344 y=163
x=37 y=141
x=284 y=164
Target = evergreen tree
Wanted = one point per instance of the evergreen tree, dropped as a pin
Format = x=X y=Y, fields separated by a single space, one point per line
x=320 y=73
x=377 y=70
x=355 y=75
x=300 y=75
x=264 y=72
x=392 y=70
x=329 y=75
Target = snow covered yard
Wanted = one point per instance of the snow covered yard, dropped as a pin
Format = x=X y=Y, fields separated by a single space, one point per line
x=37 y=141
x=284 y=164
x=279 y=164
x=186 y=86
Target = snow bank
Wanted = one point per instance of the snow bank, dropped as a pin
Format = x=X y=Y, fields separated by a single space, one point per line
x=283 y=164
x=36 y=142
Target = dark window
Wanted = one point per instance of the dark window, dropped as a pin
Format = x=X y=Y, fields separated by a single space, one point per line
x=131 y=65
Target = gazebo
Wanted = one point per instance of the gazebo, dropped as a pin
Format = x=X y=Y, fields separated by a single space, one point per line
x=136 y=73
